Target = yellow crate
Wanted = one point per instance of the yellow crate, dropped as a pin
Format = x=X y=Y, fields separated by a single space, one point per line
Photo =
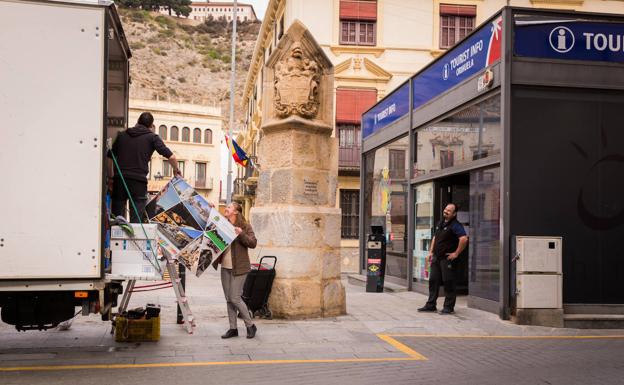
x=137 y=330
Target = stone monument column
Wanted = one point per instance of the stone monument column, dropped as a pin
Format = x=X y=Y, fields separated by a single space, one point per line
x=295 y=218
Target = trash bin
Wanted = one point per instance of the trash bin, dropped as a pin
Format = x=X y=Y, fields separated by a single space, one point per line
x=376 y=260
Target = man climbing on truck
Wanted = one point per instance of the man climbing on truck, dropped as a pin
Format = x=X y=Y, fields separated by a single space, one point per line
x=133 y=149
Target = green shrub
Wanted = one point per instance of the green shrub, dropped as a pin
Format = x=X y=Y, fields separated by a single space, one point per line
x=137 y=45
x=140 y=16
x=167 y=33
x=182 y=79
x=213 y=54
x=165 y=21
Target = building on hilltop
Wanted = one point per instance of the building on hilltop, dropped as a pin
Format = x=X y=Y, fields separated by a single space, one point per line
x=374 y=45
x=202 y=11
x=194 y=134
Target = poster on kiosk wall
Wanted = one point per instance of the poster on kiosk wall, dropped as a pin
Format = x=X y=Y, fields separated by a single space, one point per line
x=189 y=229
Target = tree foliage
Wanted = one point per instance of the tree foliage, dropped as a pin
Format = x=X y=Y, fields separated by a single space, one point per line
x=179 y=7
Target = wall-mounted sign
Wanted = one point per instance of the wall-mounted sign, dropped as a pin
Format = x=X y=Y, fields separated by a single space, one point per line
x=389 y=110
x=570 y=40
x=310 y=187
x=480 y=50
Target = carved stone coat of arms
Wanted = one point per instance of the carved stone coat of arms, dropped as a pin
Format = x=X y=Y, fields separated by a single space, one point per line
x=296 y=85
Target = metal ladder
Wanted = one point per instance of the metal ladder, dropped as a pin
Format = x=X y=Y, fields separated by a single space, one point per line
x=176 y=283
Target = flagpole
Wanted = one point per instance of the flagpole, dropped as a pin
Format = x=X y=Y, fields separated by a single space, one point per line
x=232 y=84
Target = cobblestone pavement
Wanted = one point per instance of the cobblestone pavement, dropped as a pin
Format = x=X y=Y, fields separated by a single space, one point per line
x=381 y=340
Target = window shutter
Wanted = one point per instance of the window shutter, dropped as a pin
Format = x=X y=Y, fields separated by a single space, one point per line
x=358 y=10
x=351 y=103
x=458 y=10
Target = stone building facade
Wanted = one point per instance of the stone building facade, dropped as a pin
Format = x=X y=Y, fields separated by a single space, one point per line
x=374 y=45
x=194 y=134
x=202 y=11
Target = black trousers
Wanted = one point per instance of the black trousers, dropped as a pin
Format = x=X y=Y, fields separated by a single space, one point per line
x=138 y=192
x=441 y=273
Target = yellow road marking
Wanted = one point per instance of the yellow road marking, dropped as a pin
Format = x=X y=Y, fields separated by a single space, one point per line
x=207 y=363
x=412 y=356
x=404 y=348
x=506 y=337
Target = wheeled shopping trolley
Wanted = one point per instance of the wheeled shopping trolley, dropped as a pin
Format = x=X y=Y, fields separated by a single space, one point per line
x=257 y=287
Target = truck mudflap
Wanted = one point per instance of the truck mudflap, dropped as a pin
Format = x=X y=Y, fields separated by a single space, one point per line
x=42 y=310
x=37 y=310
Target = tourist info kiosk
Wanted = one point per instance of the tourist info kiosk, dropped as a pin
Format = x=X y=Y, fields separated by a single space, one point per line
x=520 y=125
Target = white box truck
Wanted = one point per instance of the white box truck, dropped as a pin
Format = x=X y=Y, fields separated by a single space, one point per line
x=63 y=91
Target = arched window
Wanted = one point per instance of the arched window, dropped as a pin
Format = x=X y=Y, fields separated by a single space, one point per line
x=162 y=131
x=208 y=136
x=186 y=134
x=174 y=133
x=197 y=135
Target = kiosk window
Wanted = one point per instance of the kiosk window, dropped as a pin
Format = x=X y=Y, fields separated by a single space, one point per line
x=397 y=164
x=465 y=136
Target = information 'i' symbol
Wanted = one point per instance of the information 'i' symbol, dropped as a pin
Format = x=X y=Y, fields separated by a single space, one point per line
x=561 y=40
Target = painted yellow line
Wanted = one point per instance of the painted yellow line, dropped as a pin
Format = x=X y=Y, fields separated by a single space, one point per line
x=207 y=363
x=404 y=348
x=412 y=356
x=507 y=337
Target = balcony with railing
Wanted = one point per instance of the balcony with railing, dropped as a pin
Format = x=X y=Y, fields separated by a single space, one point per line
x=204 y=183
x=239 y=188
x=349 y=148
x=349 y=157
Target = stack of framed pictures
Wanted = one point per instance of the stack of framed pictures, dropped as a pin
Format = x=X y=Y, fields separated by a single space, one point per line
x=189 y=229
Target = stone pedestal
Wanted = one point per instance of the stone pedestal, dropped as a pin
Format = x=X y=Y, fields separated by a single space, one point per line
x=295 y=218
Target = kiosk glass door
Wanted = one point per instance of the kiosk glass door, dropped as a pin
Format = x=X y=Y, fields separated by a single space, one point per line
x=455 y=189
x=423 y=229
x=484 y=244
x=385 y=202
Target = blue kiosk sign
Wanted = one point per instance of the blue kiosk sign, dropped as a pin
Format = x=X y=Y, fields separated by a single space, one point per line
x=387 y=111
x=480 y=50
x=571 y=40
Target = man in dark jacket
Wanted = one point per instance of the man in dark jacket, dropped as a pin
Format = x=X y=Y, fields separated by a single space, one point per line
x=133 y=149
x=448 y=242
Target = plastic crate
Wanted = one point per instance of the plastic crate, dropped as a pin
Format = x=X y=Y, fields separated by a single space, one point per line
x=137 y=330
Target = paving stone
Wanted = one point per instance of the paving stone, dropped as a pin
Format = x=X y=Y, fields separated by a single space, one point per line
x=354 y=336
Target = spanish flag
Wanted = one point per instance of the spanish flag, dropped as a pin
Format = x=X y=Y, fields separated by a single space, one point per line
x=238 y=154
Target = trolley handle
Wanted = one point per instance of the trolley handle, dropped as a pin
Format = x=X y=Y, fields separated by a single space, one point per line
x=274 y=258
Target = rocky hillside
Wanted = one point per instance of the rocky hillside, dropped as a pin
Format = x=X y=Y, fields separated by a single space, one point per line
x=180 y=60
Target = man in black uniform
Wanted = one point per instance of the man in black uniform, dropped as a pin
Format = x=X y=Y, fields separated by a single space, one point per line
x=448 y=242
x=133 y=149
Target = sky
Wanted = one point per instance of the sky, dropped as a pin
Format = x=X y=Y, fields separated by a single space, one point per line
x=259 y=6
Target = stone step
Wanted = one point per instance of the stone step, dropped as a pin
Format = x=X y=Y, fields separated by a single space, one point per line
x=594 y=321
x=581 y=308
x=360 y=280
